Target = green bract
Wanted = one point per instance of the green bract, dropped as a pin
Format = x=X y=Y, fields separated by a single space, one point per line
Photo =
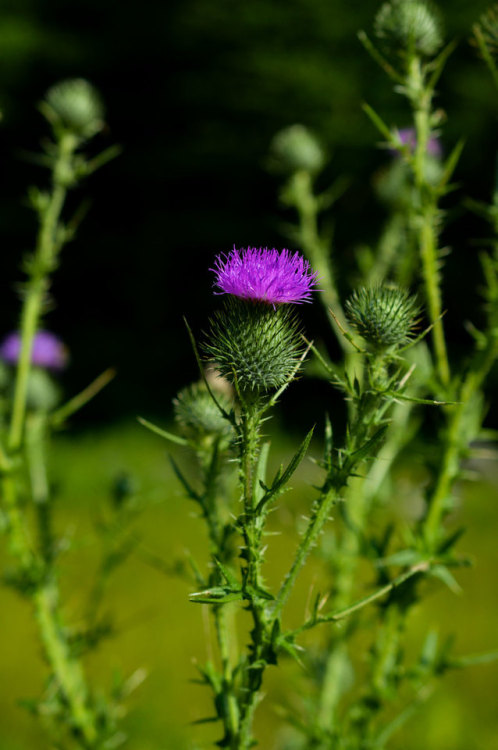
x=409 y=26
x=383 y=316
x=254 y=344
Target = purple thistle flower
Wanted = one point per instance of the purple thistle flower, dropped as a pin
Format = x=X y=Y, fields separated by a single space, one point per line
x=408 y=137
x=265 y=275
x=48 y=350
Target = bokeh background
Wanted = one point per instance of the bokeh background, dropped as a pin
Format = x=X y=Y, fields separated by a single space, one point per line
x=195 y=90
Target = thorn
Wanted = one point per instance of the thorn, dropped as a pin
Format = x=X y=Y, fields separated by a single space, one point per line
x=404 y=380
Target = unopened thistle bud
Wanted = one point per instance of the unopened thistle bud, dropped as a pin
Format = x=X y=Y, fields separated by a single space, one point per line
x=74 y=105
x=198 y=415
x=384 y=316
x=255 y=339
x=255 y=344
x=296 y=148
x=409 y=26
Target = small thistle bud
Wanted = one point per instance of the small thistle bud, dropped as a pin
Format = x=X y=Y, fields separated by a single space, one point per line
x=383 y=316
x=296 y=148
x=409 y=26
x=254 y=343
x=74 y=105
x=43 y=394
x=197 y=414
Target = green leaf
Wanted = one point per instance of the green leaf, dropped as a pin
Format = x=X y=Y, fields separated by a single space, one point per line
x=329 y=443
x=191 y=493
x=227 y=574
x=444 y=575
x=473 y=659
x=281 y=480
x=256 y=592
x=451 y=163
x=449 y=541
x=414 y=400
x=163 y=433
x=261 y=471
x=403 y=557
x=366 y=449
x=379 y=123
x=216 y=595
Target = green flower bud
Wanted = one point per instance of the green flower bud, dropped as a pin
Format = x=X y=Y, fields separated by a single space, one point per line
x=197 y=414
x=74 y=105
x=296 y=148
x=409 y=25
x=43 y=393
x=384 y=316
x=254 y=343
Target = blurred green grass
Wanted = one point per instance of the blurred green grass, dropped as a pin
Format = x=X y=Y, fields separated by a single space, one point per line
x=158 y=629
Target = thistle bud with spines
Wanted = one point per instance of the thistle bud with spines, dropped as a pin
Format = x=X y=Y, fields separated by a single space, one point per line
x=198 y=415
x=384 y=316
x=254 y=344
x=409 y=26
x=74 y=106
x=295 y=148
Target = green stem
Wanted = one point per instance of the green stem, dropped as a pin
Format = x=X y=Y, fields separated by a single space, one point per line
x=232 y=714
x=421 y=97
x=315 y=526
x=48 y=243
x=421 y=567
x=315 y=248
x=68 y=670
x=454 y=443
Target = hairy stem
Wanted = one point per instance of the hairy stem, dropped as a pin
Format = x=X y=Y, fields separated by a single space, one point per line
x=42 y=264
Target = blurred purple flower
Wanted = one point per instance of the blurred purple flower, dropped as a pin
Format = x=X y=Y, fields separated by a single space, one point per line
x=265 y=275
x=408 y=137
x=48 y=350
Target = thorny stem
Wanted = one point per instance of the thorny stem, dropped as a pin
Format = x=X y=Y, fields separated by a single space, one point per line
x=251 y=531
x=421 y=567
x=368 y=409
x=320 y=516
x=421 y=98
x=66 y=669
x=50 y=240
x=438 y=502
x=314 y=246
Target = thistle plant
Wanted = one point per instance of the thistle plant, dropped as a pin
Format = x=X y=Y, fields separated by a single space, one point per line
x=338 y=715
x=31 y=410
x=402 y=386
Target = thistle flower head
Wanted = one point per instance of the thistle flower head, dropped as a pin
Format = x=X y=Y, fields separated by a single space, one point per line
x=74 y=105
x=296 y=148
x=255 y=345
x=409 y=25
x=48 y=350
x=384 y=316
x=265 y=275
